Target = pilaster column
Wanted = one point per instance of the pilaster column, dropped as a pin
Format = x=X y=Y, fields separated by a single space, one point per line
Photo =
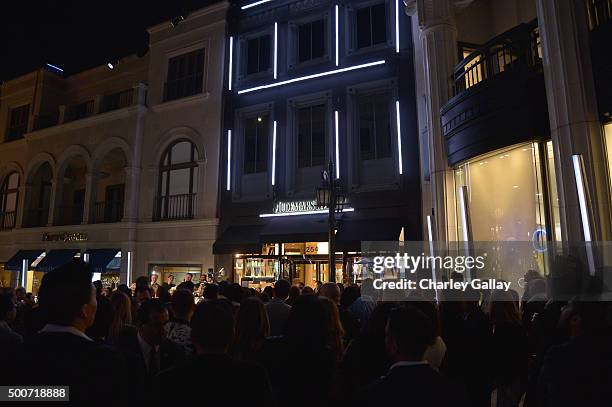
x=98 y=102
x=53 y=200
x=132 y=189
x=90 y=197
x=24 y=189
x=572 y=110
x=62 y=114
x=140 y=94
x=437 y=42
x=201 y=201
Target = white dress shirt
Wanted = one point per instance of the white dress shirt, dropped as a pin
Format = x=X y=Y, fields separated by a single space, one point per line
x=65 y=329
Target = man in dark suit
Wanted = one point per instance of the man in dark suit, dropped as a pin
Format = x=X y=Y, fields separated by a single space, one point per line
x=61 y=353
x=212 y=331
x=410 y=380
x=145 y=347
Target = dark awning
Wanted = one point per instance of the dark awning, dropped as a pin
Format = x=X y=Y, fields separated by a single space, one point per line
x=300 y=228
x=99 y=259
x=55 y=259
x=15 y=262
x=352 y=232
x=238 y=239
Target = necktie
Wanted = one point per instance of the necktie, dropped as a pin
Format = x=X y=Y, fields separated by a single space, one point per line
x=153 y=362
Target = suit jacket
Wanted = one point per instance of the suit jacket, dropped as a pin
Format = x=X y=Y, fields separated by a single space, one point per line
x=59 y=358
x=225 y=382
x=278 y=313
x=416 y=385
x=127 y=343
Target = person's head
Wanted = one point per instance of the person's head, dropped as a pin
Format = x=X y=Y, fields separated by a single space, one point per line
x=67 y=296
x=331 y=291
x=102 y=322
x=252 y=326
x=212 y=327
x=408 y=334
x=170 y=279
x=185 y=286
x=151 y=319
x=503 y=308
x=281 y=289
x=183 y=304
x=142 y=281
x=307 y=324
x=143 y=293
x=269 y=291
x=162 y=292
x=586 y=318
x=367 y=287
x=211 y=292
x=349 y=295
x=121 y=306
x=7 y=309
x=98 y=285
x=307 y=290
x=294 y=292
x=374 y=330
x=335 y=332
x=153 y=278
x=232 y=292
x=188 y=277
x=20 y=293
x=125 y=289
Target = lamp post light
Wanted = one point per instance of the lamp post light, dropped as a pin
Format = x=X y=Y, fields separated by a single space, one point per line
x=330 y=194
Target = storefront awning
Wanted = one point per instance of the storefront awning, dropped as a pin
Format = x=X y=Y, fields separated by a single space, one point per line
x=101 y=259
x=238 y=239
x=55 y=259
x=292 y=229
x=15 y=262
x=352 y=232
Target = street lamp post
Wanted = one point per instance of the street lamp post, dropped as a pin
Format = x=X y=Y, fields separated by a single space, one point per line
x=330 y=195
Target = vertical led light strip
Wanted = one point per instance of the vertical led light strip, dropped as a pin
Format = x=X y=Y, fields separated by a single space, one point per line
x=431 y=250
x=275 y=49
x=464 y=210
x=337 y=39
x=24 y=272
x=129 y=267
x=229 y=160
x=231 y=61
x=274 y=154
x=578 y=175
x=399 y=137
x=337 y=135
x=397 y=10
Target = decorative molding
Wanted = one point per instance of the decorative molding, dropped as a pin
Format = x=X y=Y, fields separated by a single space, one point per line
x=182 y=102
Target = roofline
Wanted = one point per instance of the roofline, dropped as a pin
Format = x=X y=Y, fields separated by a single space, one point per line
x=221 y=5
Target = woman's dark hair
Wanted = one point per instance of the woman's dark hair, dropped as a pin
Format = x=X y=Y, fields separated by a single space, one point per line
x=374 y=331
x=163 y=294
x=124 y=289
x=182 y=303
x=252 y=328
x=269 y=290
x=307 y=324
x=349 y=295
x=307 y=290
x=212 y=325
x=142 y=281
x=102 y=322
x=294 y=293
x=233 y=292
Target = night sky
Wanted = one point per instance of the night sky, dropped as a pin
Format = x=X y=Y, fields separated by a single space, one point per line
x=77 y=35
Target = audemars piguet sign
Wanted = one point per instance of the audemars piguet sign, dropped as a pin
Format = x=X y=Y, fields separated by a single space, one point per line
x=64 y=237
x=296 y=206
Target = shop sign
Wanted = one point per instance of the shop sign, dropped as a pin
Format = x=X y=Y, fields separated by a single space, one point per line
x=64 y=237
x=296 y=206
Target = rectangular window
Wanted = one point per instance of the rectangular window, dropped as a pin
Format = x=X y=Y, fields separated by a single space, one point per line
x=185 y=75
x=374 y=126
x=311 y=40
x=256 y=131
x=371 y=25
x=18 y=122
x=311 y=138
x=258 y=54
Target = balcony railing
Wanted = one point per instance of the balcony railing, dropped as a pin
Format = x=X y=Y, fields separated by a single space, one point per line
x=36 y=217
x=70 y=215
x=117 y=100
x=16 y=132
x=512 y=50
x=107 y=212
x=183 y=87
x=599 y=12
x=7 y=220
x=45 y=121
x=79 y=111
x=175 y=207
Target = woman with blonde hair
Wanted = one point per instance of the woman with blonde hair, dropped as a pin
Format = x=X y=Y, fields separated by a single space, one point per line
x=334 y=327
x=121 y=307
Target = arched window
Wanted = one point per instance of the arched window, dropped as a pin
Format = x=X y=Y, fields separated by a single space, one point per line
x=178 y=182
x=9 y=193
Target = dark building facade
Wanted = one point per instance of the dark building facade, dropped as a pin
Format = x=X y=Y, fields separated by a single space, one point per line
x=309 y=82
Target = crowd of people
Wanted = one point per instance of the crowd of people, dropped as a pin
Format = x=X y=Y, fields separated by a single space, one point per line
x=291 y=345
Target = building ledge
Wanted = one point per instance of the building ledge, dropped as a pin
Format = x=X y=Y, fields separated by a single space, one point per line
x=181 y=102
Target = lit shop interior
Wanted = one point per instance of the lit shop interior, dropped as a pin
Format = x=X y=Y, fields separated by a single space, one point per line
x=179 y=272
x=510 y=195
x=27 y=267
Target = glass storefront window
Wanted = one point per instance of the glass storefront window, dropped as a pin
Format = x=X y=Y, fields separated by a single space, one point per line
x=177 y=270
